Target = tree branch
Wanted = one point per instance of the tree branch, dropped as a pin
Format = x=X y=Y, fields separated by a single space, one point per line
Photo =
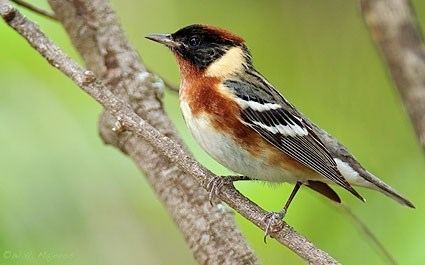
x=128 y=119
x=167 y=84
x=393 y=26
x=35 y=9
x=212 y=235
x=47 y=14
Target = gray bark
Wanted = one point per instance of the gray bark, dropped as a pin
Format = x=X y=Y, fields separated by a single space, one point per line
x=133 y=107
x=393 y=26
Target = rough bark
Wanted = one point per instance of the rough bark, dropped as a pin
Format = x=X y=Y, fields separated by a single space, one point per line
x=211 y=232
x=97 y=35
x=393 y=26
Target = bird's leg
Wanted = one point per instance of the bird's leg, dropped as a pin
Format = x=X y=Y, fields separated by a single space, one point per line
x=219 y=181
x=275 y=216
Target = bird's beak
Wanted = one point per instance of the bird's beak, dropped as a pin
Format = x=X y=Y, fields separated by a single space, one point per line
x=165 y=39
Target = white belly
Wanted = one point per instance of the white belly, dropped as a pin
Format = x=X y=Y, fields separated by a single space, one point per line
x=228 y=153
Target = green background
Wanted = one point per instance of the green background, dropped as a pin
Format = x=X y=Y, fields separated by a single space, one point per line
x=65 y=198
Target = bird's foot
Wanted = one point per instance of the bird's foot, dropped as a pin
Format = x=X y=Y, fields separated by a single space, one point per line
x=272 y=220
x=218 y=182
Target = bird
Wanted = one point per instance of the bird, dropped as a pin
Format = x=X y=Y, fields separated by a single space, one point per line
x=241 y=120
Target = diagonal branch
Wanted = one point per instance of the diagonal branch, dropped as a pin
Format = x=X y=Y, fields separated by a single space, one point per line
x=369 y=234
x=211 y=234
x=393 y=26
x=52 y=16
x=35 y=9
x=129 y=120
x=97 y=35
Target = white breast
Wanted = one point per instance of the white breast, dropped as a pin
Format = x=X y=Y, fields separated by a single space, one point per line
x=227 y=152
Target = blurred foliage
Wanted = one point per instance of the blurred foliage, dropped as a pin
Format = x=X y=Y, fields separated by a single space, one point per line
x=66 y=198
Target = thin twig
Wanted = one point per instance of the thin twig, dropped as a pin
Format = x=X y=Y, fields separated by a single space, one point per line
x=362 y=226
x=52 y=16
x=35 y=9
x=107 y=52
x=87 y=81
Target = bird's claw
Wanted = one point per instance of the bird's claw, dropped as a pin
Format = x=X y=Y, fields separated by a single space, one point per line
x=273 y=218
x=215 y=185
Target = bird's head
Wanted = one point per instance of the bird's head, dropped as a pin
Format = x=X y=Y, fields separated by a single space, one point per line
x=202 y=49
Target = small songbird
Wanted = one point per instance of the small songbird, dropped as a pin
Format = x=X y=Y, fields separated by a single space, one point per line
x=243 y=122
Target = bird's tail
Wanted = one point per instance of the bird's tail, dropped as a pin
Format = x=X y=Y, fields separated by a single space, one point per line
x=387 y=190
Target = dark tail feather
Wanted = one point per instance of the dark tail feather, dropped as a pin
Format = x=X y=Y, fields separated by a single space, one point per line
x=324 y=189
x=394 y=195
x=379 y=185
x=390 y=192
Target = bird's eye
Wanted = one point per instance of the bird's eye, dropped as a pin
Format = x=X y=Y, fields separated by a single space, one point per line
x=194 y=41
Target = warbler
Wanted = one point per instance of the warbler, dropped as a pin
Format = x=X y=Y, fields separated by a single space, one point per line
x=245 y=124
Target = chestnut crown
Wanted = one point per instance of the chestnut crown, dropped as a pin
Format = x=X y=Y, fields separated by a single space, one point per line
x=201 y=45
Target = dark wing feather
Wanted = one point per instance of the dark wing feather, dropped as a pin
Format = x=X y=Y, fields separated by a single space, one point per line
x=270 y=115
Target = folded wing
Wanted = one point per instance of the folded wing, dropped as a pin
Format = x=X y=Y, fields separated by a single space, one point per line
x=271 y=116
